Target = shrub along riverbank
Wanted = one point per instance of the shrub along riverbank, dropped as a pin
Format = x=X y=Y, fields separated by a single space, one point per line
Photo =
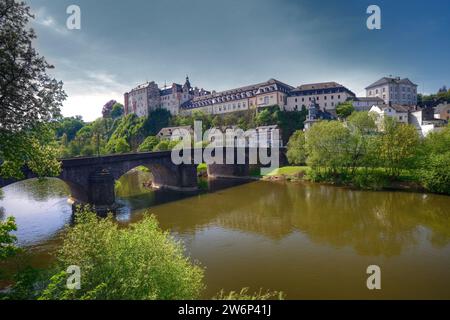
x=357 y=154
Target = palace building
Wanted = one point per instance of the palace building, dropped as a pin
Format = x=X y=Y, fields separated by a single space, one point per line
x=269 y=93
x=184 y=99
x=327 y=95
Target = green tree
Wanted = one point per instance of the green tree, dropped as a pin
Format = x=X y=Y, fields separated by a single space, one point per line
x=264 y=118
x=289 y=122
x=29 y=97
x=27 y=94
x=7 y=240
x=117 y=110
x=344 y=109
x=69 y=126
x=435 y=174
x=296 y=148
x=139 y=262
x=35 y=148
x=121 y=146
x=107 y=108
x=327 y=145
x=132 y=129
x=363 y=122
x=148 y=144
x=398 y=146
x=156 y=120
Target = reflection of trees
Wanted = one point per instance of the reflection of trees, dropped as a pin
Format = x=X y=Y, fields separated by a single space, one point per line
x=372 y=223
x=132 y=183
x=42 y=189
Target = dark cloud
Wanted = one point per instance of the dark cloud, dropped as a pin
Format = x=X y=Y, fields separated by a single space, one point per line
x=223 y=44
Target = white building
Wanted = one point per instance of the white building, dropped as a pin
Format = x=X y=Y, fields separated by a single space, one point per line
x=393 y=91
x=326 y=94
x=256 y=96
x=398 y=112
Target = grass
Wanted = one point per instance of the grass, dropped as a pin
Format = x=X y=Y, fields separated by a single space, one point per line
x=289 y=171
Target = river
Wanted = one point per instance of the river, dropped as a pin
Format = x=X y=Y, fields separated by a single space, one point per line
x=310 y=241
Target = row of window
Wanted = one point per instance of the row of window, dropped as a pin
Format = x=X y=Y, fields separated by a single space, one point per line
x=230 y=107
x=318 y=98
x=394 y=89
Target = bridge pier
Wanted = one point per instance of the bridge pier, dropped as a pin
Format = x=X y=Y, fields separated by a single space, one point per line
x=101 y=194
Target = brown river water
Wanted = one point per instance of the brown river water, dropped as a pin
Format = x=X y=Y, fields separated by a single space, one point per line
x=310 y=241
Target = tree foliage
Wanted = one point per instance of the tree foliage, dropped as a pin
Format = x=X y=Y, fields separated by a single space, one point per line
x=69 y=126
x=7 y=240
x=296 y=152
x=117 y=110
x=148 y=144
x=29 y=98
x=28 y=95
x=398 y=146
x=35 y=148
x=344 y=109
x=107 y=108
x=139 y=262
x=156 y=120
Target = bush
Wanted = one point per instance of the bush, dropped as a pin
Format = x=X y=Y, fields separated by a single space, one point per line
x=7 y=240
x=148 y=144
x=165 y=145
x=139 y=262
x=296 y=152
x=435 y=176
x=371 y=180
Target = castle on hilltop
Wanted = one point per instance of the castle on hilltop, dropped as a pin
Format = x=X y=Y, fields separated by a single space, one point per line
x=184 y=99
x=148 y=96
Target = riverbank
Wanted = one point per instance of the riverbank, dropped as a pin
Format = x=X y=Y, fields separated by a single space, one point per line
x=359 y=180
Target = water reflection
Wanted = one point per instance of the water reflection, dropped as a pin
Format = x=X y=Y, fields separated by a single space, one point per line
x=40 y=208
x=308 y=240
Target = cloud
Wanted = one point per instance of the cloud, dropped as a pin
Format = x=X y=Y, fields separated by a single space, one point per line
x=89 y=91
x=45 y=20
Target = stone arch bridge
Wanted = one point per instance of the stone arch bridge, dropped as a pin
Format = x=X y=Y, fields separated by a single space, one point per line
x=92 y=179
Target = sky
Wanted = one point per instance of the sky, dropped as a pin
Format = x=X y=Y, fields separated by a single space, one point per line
x=230 y=43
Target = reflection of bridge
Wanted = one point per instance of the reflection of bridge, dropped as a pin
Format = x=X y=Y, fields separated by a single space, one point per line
x=91 y=179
